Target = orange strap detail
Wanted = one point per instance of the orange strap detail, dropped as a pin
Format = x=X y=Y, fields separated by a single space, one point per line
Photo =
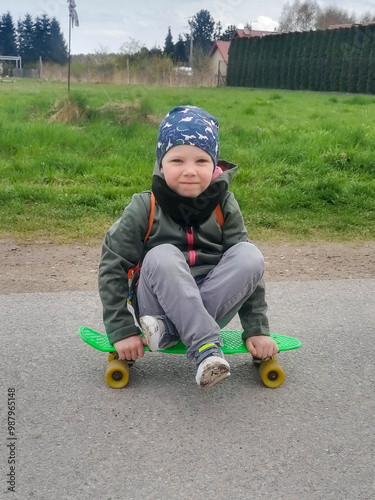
x=219 y=215
x=150 y=222
x=151 y=218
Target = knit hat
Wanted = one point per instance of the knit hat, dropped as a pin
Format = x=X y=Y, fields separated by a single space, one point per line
x=188 y=125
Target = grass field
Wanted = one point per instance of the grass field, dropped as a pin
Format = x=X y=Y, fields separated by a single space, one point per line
x=68 y=167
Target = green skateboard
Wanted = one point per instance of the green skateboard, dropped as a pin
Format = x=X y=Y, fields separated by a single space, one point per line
x=117 y=375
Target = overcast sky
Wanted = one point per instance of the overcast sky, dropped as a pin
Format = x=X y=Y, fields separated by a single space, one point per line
x=108 y=24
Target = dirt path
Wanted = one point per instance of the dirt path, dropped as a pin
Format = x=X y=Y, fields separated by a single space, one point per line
x=53 y=268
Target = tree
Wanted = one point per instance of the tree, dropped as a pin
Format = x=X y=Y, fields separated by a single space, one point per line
x=8 y=41
x=131 y=48
x=370 y=86
x=180 y=50
x=367 y=17
x=202 y=27
x=168 y=46
x=26 y=37
x=333 y=15
x=218 y=30
x=228 y=33
x=299 y=16
x=42 y=36
x=58 y=48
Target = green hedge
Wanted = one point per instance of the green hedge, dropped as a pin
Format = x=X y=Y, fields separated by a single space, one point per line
x=341 y=60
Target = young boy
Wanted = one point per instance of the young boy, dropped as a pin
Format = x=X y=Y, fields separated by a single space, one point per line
x=195 y=274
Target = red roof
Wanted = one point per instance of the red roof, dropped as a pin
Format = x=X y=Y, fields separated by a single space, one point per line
x=337 y=26
x=223 y=48
x=251 y=33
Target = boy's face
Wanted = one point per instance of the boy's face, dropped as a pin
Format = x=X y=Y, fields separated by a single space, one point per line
x=187 y=170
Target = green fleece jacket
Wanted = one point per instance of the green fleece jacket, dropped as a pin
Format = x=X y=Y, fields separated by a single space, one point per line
x=124 y=247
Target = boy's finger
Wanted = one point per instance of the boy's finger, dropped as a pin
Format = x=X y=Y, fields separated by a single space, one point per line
x=141 y=351
x=251 y=348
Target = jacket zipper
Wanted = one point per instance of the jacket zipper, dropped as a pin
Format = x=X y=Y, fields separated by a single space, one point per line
x=190 y=241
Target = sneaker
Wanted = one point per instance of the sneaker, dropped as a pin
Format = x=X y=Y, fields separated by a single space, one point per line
x=212 y=368
x=156 y=334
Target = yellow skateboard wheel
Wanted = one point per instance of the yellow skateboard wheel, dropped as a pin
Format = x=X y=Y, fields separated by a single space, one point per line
x=111 y=356
x=117 y=375
x=271 y=373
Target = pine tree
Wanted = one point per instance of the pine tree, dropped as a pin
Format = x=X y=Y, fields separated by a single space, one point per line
x=8 y=41
x=284 y=61
x=42 y=35
x=321 y=59
x=336 y=62
x=298 y=65
x=292 y=60
x=273 y=42
x=313 y=64
x=231 y=63
x=370 y=85
x=58 y=48
x=346 y=50
x=277 y=59
x=180 y=52
x=26 y=39
x=354 y=61
x=240 y=74
x=305 y=60
x=203 y=26
x=260 y=63
x=254 y=61
x=246 y=63
x=228 y=33
x=364 y=40
x=266 y=74
x=168 y=46
x=326 y=79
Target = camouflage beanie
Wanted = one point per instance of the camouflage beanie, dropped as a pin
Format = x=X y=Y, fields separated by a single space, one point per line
x=188 y=125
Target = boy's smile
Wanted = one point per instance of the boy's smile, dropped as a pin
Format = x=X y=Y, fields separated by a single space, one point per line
x=187 y=170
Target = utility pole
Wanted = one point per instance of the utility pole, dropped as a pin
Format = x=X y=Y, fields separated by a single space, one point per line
x=73 y=21
x=191 y=42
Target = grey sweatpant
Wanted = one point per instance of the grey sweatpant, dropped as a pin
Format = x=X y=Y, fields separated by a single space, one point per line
x=197 y=308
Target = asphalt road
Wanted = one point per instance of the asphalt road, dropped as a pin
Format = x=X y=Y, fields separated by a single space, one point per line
x=164 y=438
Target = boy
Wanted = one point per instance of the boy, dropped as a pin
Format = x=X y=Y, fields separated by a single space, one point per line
x=195 y=275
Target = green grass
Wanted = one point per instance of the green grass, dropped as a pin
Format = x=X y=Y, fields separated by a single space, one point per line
x=307 y=161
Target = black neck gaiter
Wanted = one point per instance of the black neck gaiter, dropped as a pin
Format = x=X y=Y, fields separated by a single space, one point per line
x=187 y=211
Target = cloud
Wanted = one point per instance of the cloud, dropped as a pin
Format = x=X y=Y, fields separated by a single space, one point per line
x=105 y=32
x=265 y=23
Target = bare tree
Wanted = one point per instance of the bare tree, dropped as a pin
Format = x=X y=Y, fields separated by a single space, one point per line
x=299 y=16
x=368 y=17
x=334 y=15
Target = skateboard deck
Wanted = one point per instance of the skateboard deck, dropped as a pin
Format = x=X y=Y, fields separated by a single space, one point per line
x=117 y=375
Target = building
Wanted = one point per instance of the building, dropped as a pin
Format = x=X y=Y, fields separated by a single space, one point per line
x=219 y=60
x=220 y=50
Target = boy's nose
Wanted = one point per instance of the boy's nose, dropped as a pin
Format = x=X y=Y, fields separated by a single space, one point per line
x=189 y=169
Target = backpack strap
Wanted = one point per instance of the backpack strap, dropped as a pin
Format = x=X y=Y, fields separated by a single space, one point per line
x=150 y=222
x=219 y=215
x=151 y=218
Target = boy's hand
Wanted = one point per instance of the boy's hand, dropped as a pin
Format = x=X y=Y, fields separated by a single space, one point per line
x=130 y=348
x=261 y=346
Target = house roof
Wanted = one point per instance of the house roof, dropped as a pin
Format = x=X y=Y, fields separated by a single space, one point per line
x=245 y=33
x=337 y=26
x=222 y=47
